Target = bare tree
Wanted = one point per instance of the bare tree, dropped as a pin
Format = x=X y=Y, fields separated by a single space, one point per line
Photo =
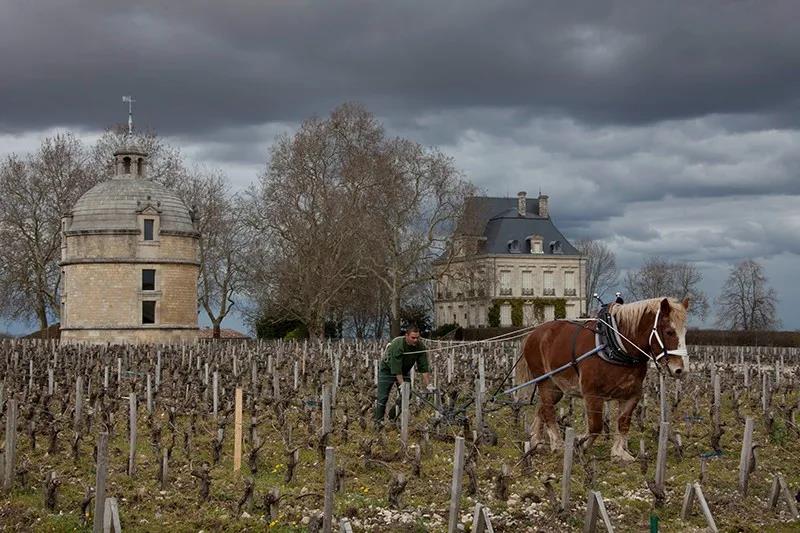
x=686 y=279
x=421 y=198
x=601 y=267
x=34 y=193
x=660 y=277
x=221 y=241
x=305 y=216
x=746 y=302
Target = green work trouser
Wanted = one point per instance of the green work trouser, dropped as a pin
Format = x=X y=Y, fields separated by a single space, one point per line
x=385 y=383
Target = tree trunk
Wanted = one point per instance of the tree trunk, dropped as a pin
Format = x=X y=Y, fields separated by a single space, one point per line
x=395 y=311
x=316 y=330
x=41 y=311
x=215 y=332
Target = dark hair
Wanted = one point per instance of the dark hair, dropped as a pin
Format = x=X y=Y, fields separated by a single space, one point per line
x=412 y=328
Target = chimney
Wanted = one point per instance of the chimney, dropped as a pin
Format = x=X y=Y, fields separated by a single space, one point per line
x=543 y=211
x=522 y=203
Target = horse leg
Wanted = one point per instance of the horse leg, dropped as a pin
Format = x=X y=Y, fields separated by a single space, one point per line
x=537 y=426
x=594 y=420
x=549 y=395
x=620 y=447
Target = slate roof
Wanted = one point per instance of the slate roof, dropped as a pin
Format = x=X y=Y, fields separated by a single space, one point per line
x=113 y=205
x=499 y=222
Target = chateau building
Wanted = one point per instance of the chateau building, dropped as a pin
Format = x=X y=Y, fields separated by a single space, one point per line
x=510 y=266
x=129 y=261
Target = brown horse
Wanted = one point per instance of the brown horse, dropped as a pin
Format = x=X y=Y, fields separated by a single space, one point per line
x=649 y=330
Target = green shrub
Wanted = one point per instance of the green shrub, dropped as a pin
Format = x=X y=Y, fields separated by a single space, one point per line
x=494 y=315
x=443 y=330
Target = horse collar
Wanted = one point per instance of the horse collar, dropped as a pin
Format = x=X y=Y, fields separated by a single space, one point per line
x=607 y=334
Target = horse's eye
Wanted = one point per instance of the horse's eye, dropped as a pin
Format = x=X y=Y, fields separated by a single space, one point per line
x=670 y=334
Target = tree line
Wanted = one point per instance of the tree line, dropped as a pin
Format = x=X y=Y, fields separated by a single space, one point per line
x=337 y=235
x=745 y=303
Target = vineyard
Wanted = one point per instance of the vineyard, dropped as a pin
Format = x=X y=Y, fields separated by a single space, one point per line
x=279 y=436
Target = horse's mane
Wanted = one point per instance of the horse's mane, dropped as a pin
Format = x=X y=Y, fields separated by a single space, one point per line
x=631 y=314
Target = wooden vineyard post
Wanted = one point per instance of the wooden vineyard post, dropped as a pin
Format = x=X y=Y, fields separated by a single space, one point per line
x=78 y=403
x=481 y=523
x=661 y=456
x=478 y=407
x=164 y=468
x=100 y=482
x=344 y=526
x=327 y=423
x=566 y=474
x=455 y=488
x=111 y=517
x=717 y=399
x=747 y=375
x=330 y=480
x=482 y=372
x=132 y=443
x=296 y=375
x=237 y=432
x=11 y=445
x=51 y=385
x=694 y=491
x=744 y=457
x=781 y=490
x=405 y=391
x=149 y=392
x=596 y=508
x=216 y=394
x=158 y=371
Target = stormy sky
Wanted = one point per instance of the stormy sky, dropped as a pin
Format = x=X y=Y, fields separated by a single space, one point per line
x=663 y=128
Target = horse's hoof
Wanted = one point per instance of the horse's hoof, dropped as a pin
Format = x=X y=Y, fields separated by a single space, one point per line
x=623 y=456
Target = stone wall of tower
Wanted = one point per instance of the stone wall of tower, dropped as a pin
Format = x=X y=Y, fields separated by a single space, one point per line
x=102 y=288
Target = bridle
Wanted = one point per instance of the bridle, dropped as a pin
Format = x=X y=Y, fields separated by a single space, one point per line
x=664 y=352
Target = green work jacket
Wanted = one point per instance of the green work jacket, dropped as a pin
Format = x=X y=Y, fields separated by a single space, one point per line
x=398 y=360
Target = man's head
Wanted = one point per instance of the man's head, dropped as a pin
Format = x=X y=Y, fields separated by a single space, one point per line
x=412 y=335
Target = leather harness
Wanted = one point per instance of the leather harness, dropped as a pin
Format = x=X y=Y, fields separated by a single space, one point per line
x=613 y=352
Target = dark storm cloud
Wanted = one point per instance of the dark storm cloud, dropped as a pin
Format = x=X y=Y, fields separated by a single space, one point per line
x=199 y=66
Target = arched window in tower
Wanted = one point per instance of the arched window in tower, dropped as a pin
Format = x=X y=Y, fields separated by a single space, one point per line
x=139 y=166
x=126 y=165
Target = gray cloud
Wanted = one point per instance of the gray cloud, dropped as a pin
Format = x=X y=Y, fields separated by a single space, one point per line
x=209 y=65
x=663 y=128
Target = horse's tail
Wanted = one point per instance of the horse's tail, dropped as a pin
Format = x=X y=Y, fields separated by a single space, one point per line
x=522 y=373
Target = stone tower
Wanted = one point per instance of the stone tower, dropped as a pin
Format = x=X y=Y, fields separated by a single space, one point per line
x=129 y=260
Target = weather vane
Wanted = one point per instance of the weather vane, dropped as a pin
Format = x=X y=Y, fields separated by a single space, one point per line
x=129 y=100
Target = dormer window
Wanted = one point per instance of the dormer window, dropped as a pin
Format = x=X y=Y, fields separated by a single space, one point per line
x=535 y=243
x=149 y=225
x=513 y=246
x=555 y=247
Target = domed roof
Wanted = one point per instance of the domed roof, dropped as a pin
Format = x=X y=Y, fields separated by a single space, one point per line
x=115 y=204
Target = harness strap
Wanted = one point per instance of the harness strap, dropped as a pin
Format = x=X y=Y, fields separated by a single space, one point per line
x=578 y=328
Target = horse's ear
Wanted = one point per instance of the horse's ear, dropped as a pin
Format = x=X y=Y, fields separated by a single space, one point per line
x=665 y=307
x=685 y=303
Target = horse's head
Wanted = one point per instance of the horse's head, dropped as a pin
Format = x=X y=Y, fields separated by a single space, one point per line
x=668 y=337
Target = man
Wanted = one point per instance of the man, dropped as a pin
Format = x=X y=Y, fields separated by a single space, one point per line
x=400 y=357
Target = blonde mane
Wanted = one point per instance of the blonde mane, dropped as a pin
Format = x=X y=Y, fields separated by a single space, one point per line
x=629 y=315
